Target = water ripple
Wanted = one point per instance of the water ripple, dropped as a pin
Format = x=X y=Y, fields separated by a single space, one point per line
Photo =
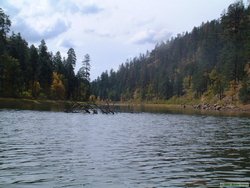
x=48 y=149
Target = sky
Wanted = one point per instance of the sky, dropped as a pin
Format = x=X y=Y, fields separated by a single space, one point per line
x=110 y=31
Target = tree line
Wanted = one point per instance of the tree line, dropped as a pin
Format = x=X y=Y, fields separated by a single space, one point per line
x=30 y=72
x=212 y=61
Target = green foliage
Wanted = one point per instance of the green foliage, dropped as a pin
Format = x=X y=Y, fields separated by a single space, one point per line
x=235 y=25
x=9 y=76
x=18 y=49
x=4 y=29
x=83 y=72
x=36 y=88
x=207 y=62
x=71 y=57
x=198 y=64
x=26 y=94
x=244 y=93
x=216 y=84
x=187 y=88
x=35 y=72
x=34 y=63
x=45 y=62
x=137 y=96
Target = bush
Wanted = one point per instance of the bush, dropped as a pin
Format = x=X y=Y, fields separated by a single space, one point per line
x=26 y=94
x=244 y=94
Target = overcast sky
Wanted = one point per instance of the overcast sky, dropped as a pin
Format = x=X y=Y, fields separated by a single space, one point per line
x=111 y=31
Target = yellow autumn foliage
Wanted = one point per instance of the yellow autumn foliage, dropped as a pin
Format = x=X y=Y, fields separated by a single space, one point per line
x=57 y=87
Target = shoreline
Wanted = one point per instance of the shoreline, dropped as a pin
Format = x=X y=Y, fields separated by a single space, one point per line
x=230 y=110
x=33 y=104
x=61 y=105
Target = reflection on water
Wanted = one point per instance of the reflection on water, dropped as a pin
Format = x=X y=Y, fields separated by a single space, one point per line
x=48 y=149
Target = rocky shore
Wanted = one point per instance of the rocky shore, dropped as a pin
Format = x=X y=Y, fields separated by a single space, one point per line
x=218 y=107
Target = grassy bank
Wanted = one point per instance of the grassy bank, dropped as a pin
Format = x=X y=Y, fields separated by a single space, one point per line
x=33 y=104
x=230 y=110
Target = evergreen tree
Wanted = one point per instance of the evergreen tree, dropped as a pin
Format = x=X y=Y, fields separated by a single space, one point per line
x=18 y=49
x=9 y=79
x=58 y=63
x=5 y=24
x=86 y=67
x=69 y=65
x=45 y=76
x=83 y=76
x=71 y=57
x=233 y=23
x=206 y=60
x=35 y=71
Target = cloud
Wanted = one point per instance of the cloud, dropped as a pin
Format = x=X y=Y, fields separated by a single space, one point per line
x=64 y=6
x=99 y=34
x=89 y=31
x=58 y=28
x=91 y=9
x=26 y=31
x=33 y=35
x=66 y=43
x=150 y=36
x=9 y=9
x=74 y=7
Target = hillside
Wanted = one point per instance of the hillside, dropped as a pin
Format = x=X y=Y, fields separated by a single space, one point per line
x=210 y=63
x=30 y=72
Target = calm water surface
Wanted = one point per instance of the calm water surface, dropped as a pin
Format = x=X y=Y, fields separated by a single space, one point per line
x=55 y=149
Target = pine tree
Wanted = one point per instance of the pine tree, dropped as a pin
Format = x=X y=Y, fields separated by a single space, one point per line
x=5 y=24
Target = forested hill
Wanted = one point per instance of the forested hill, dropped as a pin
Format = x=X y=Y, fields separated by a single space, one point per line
x=211 y=62
x=30 y=72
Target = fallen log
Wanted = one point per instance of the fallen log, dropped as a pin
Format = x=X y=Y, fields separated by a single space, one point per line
x=90 y=107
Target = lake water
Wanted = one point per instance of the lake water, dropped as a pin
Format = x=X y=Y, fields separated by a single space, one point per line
x=56 y=149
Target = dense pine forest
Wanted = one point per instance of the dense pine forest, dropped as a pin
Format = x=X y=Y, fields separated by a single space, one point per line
x=30 y=72
x=211 y=63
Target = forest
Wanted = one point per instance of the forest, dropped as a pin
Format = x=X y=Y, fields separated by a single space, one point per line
x=211 y=63
x=30 y=72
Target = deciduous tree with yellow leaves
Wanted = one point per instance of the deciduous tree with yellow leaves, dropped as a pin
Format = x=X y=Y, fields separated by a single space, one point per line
x=57 y=87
